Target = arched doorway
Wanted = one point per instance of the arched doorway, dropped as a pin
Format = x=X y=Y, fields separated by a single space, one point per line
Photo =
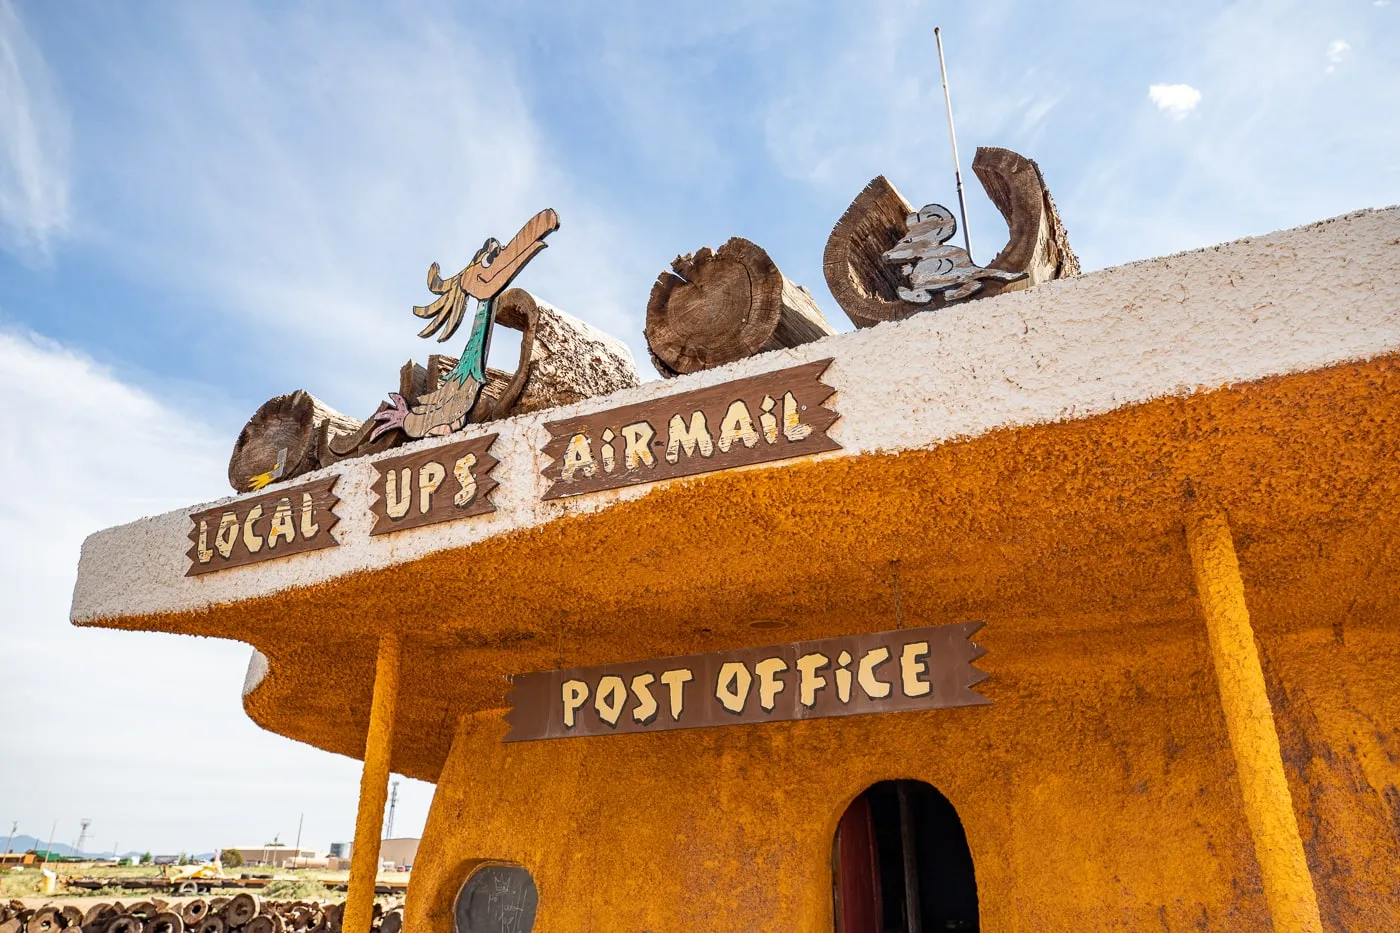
x=900 y=863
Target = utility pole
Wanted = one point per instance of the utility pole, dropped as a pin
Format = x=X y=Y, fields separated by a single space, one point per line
x=297 y=854
x=9 y=843
x=48 y=850
x=393 y=801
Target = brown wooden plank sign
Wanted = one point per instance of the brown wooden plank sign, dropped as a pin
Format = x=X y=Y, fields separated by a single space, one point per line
x=773 y=416
x=885 y=672
x=278 y=524
x=436 y=485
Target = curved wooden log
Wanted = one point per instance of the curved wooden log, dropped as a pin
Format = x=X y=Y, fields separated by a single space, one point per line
x=279 y=441
x=1038 y=245
x=569 y=359
x=863 y=284
x=717 y=306
x=866 y=287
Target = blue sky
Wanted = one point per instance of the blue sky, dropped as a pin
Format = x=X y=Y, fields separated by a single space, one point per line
x=204 y=205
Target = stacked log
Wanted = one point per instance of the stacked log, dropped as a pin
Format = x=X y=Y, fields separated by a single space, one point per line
x=562 y=360
x=242 y=913
x=717 y=306
x=866 y=287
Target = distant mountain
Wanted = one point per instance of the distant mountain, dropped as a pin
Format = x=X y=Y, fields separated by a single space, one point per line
x=63 y=850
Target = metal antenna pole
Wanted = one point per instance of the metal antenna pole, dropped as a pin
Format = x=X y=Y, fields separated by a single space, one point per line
x=393 y=802
x=9 y=843
x=952 y=135
x=297 y=854
x=48 y=850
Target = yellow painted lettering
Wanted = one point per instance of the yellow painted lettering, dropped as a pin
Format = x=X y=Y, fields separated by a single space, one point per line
x=466 y=481
x=578 y=458
x=636 y=445
x=737 y=426
x=574 y=694
x=910 y=667
x=309 y=527
x=692 y=437
x=612 y=694
x=251 y=539
x=808 y=682
x=874 y=687
x=793 y=428
x=206 y=553
x=843 y=677
x=732 y=686
x=769 y=686
x=228 y=534
x=430 y=477
x=676 y=681
x=645 y=710
x=283 y=525
x=397 y=494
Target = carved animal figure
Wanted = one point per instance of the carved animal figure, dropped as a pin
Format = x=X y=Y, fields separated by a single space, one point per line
x=448 y=407
x=933 y=266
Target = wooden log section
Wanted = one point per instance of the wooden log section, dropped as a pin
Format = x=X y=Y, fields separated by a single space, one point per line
x=717 y=306
x=865 y=286
x=1038 y=245
x=279 y=441
x=569 y=360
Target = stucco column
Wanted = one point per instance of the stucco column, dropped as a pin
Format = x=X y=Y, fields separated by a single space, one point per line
x=374 y=789
x=1249 y=720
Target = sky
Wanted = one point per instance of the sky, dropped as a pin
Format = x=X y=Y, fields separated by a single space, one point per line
x=206 y=205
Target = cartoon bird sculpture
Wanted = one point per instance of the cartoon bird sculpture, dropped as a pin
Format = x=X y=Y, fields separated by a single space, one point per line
x=448 y=407
x=932 y=266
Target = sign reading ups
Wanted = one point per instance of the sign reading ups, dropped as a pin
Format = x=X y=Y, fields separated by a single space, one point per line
x=773 y=416
x=908 y=669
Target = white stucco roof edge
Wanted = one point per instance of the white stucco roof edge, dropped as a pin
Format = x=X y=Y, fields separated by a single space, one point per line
x=1291 y=301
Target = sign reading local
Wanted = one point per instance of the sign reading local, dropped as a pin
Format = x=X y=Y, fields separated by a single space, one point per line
x=770 y=417
x=907 y=669
x=434 y=485
x=278 y=524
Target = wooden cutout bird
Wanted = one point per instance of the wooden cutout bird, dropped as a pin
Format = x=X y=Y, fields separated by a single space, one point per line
x=932 y=266
x=448 y=407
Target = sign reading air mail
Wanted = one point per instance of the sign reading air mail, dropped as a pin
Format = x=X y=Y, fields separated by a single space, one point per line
x=434 y=485
x=278 y=524
x=908 y=669
x=769 y=417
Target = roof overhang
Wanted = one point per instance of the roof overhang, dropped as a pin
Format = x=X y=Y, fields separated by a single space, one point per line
x=1024 y=459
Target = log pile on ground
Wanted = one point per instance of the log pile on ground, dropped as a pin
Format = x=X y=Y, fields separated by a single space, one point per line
x=242 y=913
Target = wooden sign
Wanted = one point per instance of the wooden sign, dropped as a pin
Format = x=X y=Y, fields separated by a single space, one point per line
x=908 y=669
x=279 y=524
x=769 y=417
x=436 y=485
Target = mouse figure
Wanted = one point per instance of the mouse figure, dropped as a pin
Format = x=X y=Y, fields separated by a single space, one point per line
x=932 y=266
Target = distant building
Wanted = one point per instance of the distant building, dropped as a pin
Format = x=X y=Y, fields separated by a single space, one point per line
x=397 y=853
x=341 y=849
x=276 y=856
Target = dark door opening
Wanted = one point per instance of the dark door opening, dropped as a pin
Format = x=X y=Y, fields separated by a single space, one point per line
x=901 y=863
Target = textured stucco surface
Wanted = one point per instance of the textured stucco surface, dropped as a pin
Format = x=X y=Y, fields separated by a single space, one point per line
x=1028 y=461
x=1286 y=302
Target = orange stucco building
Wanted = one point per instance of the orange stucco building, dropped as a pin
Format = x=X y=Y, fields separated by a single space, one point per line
x=1169 y=490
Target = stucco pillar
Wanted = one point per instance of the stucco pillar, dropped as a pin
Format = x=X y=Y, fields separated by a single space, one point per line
x=1249 y=720
x=374 y=789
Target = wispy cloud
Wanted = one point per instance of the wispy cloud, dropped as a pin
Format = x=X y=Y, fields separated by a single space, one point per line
x=1177 y=100
x=1337 y=50
x=34 y=145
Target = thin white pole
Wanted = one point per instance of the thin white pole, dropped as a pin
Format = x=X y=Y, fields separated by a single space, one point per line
x=952 y=135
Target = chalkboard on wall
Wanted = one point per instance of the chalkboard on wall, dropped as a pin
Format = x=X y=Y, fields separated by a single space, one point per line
x=497 y=899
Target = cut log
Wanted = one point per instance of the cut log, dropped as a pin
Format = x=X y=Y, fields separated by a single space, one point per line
x=568 y=361
x=72 y=915
x=279 y=441
x=192 y=912
x=717 y=306
x=240 y=908
x=865 y=286
x=166 y=921
x=1038 y=245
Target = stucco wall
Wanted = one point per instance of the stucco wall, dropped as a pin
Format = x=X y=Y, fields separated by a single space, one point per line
x=1287 y=302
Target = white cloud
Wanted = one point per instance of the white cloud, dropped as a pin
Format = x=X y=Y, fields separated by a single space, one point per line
x=297 y=174
x=130 y=729
x=1177 y=100
x=34 y=145
x=1337 y=50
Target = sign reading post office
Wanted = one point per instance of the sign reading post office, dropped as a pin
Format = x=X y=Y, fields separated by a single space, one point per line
x=907 y=669
x=762 y=418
